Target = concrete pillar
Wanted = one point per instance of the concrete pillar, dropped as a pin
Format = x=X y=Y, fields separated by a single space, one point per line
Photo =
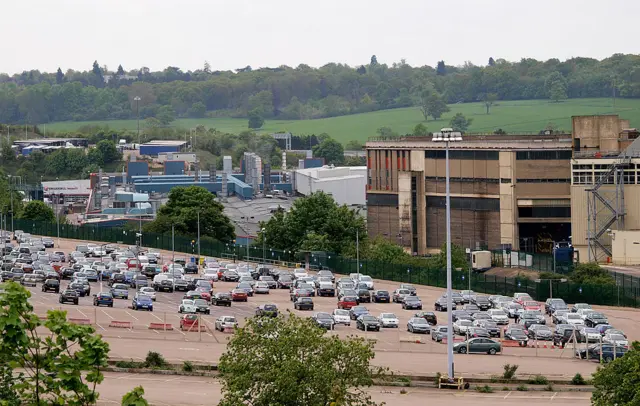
x=508 y=202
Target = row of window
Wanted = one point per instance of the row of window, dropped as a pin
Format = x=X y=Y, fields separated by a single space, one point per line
x=462 y=180
x=546 y=155
x=587 y=178
x=465 y=203
x=478 y=155
x=380 y=199
x=567 y=180
x=539 y=212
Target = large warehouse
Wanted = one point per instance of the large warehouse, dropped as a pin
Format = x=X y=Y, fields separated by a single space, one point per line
x=347 y=185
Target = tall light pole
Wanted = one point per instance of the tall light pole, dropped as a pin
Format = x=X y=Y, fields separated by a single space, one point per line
x=264 y=246
x=198 y=212
x=358 y=252
x=11 y=197
x=137 y=100
x=448 y=135
x=57 y=217
x=173 y=243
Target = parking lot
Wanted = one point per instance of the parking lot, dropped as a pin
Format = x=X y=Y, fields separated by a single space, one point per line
x=121 y=325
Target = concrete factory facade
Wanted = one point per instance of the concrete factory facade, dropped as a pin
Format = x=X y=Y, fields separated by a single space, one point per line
x=522 y=192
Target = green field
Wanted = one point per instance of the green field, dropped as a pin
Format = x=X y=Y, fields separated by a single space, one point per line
x=511 y=116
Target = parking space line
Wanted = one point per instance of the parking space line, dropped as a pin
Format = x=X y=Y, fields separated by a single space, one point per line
x=134 y=317
x=84 y=315
x=156 y=316
x=106 y=314
x=507 y=395
x=103 y=329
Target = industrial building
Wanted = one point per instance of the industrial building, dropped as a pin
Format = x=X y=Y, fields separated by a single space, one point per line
x=189 y=157
x=67 y=191
x=507 y=191
x=153 y=148
x=347 y=185
x=48 y=145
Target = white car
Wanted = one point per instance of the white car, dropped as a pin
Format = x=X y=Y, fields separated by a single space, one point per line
x=584 y=313
x=211 y=274
x=187 y=306
x=341 y=316
x=367 y=280
x=498 y=316
x=223 y=322
x=261 y=287
x=299 y=273
x=389 y=320
x=574 y=319
x=616 y=339
x=461 y=326
x=175 y=268
x=148 y=292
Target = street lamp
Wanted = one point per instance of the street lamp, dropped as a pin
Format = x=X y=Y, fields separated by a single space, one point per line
x=447 y=135
x=173 y=243
x=358 y=252
x=264 y=246
x=137 y=100
x=198 y=212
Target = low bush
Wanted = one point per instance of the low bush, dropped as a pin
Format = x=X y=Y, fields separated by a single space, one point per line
x=578 y=380
x=187 y=366
x=509 y=371
x=538 y=380
x=522 y=388
x=403 y=391
x=506 y=388
x=155 y=360
x=484 y=389
x=549 y=388
x=128 y=364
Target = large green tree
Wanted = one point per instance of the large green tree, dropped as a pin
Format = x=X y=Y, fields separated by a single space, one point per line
x=166 y=114
x=256 y=119
x=108 y=151
x=331 y=150
x=460 y=123
x=288 y=360
x=37 y=210
x=434 y=106
x=618 y=382
x=309 y=218
x=47 y=362
x=556 y=86
x=182 y=210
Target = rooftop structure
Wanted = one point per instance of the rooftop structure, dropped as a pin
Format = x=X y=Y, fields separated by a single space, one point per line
x=153 y=148
x=347 y=184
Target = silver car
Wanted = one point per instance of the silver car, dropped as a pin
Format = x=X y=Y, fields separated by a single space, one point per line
x=261 y=288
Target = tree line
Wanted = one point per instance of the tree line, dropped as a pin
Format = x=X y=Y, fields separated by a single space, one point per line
x=304 y=92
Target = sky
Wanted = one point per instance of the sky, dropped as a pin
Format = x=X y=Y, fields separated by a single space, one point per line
x=230 y=34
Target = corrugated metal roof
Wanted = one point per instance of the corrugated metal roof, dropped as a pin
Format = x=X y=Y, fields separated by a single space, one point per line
x=633 y=150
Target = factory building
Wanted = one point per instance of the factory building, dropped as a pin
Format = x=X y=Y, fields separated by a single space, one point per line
x=347 y=185
x=154 y=148
x=507 y=191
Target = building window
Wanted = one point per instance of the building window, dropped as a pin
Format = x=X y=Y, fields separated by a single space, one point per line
x=567 y=180
x=541 y=212
x=539 y=155
x=505 y=180
x=465 y=203
x=480 y=155
x=382 y=199
x=582 y=178
x=462 y=180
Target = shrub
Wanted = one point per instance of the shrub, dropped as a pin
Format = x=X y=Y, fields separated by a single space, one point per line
x=187 y=366
x=522 y=388
x=549 y=388
x=484 y=389
x=494 y=379
x=509 y=371
x=127 y=364
x=403 y=391
x=154 y=360
x=506 y=389
x=538 y=380
x=578 y=380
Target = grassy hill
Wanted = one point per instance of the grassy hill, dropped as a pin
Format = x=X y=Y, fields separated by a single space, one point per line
x=511 y=116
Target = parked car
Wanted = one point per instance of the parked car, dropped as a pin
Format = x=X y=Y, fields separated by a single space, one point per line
x=418 y=325
x=69 y=295
x=478 y=345
x=303 y=303
x=51 y=285
x=407 y=286
x=239 y=295
x=380 y=296
x=187 y=306
x=516 y=332
x=461 y=327
x=477 y=332
x=438 y=333
x=149 y=292
x=553 y=304
x=284 y=281
x=580 y=306
x=513 y=309
x=103 y=299
x=120 y=290
x=388 y=320
x=230 y=276
x=617 y=340
x=412 y=303
x=341 y=316
x=267 y=310
x=261 y=288
x=499 y=316
x=441 y=305
x=190 y=322
x=399 y=295
x=326 y=289
x=357 y=311
x=489 y=325
x=595 y=318
x=29 y=280
x=604 y=328
x=324 y=320
x=540 y=332
x=191 y=267
x=430 y=317
x=482 y=302
x=609 y=352
x=142 y=302
x=221 y=299
x=367 y=322
x=588 y=334
x=224 y=322
x=563 y=334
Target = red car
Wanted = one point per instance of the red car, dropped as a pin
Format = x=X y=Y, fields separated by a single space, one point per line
x=132 y=263
x=239 y=295
x=56 y=266
x=531 y=305
x=523 y=299
x=189 y=322
x=347 y=302
x=204 y=294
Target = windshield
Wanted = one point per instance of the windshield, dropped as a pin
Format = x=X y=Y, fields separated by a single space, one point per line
x=119 y=286
x=144 y=298
x=200 y=302
x=573 y=316
x=365 y=279
x=498 y=313
x=464 y=322
x=597 y=316
x=270 y=307
x=341 y=312
x=323 y=316
x=388 y=316
x=531 y=303
x=617 y=337
x=229 y=319
x=417 y=320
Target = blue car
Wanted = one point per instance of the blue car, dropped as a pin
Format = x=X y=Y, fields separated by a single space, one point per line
x=103 y=299
x=142 y=302
x=120 y=290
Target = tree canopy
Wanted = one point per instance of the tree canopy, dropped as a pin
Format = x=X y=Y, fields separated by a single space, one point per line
x=37 y=210
x=314 y=223
x=182 y=209
x=288 y=360
x=301 y=92
x=617 y=382
x=331 y=150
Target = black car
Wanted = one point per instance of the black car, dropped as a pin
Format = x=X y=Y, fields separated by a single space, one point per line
x=51 y=285
x=471 y=309
x=595 y=318
x=482 y=302
x=149 y=271
x=553 y=304
x=181 y=285
x=303 y=303
x=363 y=295
x=285 y=282
x=460 y=315
x=326 y=289
x=268 y=279
x=165 y=285
x=191 y=268
x=117 y=278
x=68 y=295
x=202 y=306
x=430 y=317
x=412 y=303
x=221 y=299
x=441 y=305
x=324 y=320
x=540 y=332
x=267 y=310
x=367 y=322
x=380 y=296
x=230 y=276
x=607 y=352
x=563 y=334
x=491 y=327
x=82 y=289
x=516 y=333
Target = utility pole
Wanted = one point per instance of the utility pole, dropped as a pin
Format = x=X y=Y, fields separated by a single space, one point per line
x=358 y=252
x=11 y=192
x=198 y=238
x=137 y=100
x=613 y=88
x=173 y=243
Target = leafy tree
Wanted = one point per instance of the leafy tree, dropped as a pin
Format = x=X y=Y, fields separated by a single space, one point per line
x=434 y=106
x=458 y=257
x=59 y=76
x=383 y=250
x=354 y=145
x=361 y=70
x=460 y=123
x=386 y=132
x=488 y=99
x=355 y=161
x=120 y=71
x=591 y=273
x=166 y=114
x=288 y=360
x=420 y=130
x=491 y=61
x=255 y=119
x=37 y=210
x=94 y=157
x=262 y=102
x=331 y=150
x=617 y=382
x=98 y=79
x=374 y=60
x=182 y=210
x=53 y=361
x=198 y=110
x=556 y=86
x=317 y=213
x=108 y=151
x=315 y=242
x=135 y=397
x=441 y=69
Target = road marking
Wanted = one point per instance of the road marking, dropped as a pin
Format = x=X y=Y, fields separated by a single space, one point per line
x=156 y=316
x=104 y=329
x=554 y=395
x=189 y=349
x=507 y=395
x=126 y=311
x=80 y=311
x=106 y=314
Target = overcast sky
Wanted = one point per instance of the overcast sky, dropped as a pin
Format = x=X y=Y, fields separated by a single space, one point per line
x=47 y=34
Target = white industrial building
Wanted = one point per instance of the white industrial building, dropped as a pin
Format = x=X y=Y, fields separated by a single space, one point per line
x=346 y=184
x=189 y=157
